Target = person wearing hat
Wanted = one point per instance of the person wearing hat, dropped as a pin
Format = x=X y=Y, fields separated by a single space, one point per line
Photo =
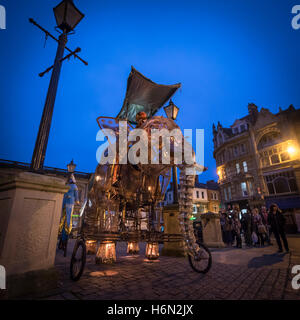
x=70 y=198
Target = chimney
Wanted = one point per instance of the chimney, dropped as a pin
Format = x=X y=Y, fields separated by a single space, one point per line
x=253 y=112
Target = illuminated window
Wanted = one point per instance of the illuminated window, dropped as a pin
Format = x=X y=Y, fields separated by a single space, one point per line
x=244 y=189
x=285 y=156
x=237 y=165
x=275 y=159
x=245 y=166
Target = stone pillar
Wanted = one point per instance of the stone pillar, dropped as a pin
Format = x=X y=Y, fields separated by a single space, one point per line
x=211 y=229
x=30 y=210
x=174 y=247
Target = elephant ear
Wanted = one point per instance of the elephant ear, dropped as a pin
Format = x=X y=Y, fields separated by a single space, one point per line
x=112 y=124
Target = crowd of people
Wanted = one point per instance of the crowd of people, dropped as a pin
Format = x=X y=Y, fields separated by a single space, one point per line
x=254 y=226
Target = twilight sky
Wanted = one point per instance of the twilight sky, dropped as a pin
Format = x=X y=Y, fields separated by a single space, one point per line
x=225 y=54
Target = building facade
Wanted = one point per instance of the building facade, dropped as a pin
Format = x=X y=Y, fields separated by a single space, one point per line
x=206 y=198
x=258 y=159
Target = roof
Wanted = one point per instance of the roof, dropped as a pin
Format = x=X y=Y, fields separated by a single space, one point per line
x=142 y=94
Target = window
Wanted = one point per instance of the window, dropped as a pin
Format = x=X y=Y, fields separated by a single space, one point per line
x=271 y=188
x=235 y=150
x=282 y=182
x=225 y=194
x=281 y=185
x=237 y=165
x=269 y=139
x=215 y=209
x=235 y=130
x=245 y=166
x=194 y=208
x=285 y=156
x=250 y=187
x=244 y=189
x=275 y=159
x=197 y=194
x=243 y=150
x=229 y=193
x=202 y=195
x=243 y=128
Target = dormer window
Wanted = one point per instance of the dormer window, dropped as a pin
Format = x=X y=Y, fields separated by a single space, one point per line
x=235 y=130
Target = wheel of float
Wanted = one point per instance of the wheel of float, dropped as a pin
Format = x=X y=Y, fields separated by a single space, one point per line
x=78 y=260
x=202 y=262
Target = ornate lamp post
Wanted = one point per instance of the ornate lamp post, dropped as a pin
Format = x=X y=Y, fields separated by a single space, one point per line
x=67 y=17
x=171 y=111
x=71 y=167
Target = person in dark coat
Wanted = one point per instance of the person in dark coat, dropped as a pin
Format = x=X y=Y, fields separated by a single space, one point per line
x=264 y=215
x=277 y=221
x=246 y=222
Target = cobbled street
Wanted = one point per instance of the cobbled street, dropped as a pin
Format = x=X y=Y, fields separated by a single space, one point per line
x=254 y=273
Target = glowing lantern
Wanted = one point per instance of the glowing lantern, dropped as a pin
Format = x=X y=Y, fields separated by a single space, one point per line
x=91 y=246
x=152 y=250
x=133 y=247
x=106 y=252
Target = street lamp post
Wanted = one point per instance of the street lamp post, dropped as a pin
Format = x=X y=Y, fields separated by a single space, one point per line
x=171 y=111
x=71 y=167
x=67 y=17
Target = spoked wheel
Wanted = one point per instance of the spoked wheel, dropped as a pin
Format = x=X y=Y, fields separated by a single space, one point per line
x=202 y=262
x=78 y=260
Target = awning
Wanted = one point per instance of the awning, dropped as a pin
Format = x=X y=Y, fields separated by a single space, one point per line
x=142 y=94
x=284 y=202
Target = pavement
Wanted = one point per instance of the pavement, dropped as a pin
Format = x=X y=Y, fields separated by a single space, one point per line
x=236 y=274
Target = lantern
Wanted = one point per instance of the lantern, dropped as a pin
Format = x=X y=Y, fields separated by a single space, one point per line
x=152 y=250
x=71 y=166
x=91 y=246
x=133 y=247
x=106 y=252
x=67 y=15
x=171 y=110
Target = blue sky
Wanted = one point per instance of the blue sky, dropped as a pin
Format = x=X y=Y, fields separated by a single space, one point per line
x=225 y=54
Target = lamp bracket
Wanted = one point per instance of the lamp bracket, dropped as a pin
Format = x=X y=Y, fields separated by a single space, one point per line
x=63 y=59
x=51 y=36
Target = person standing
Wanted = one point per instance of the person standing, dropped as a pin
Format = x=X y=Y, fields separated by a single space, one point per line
x=228 y=230
x=65 y=227
x=222 y=223
x=237 y=228
x=264 y=216
x=276 y=220
x=247 y=228
x=259 y=227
